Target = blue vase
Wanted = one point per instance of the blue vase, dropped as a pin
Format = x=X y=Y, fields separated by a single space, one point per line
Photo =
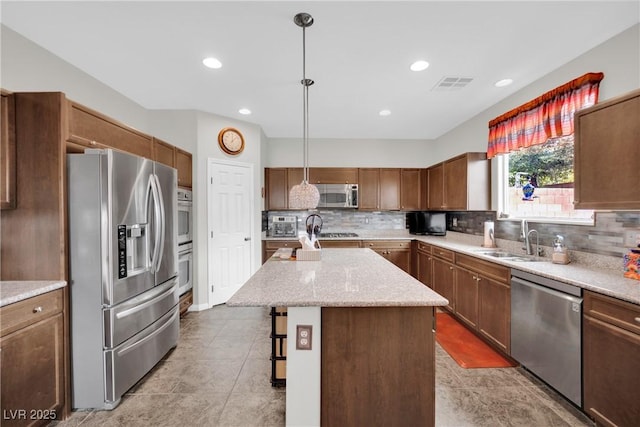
x=528 y=190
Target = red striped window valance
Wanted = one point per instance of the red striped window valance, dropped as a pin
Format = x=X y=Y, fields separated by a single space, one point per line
x=548 y=116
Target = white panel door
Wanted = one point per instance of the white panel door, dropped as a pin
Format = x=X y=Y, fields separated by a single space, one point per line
x=230 y=204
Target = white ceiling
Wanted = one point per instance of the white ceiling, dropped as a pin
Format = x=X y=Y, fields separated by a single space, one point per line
x=358 y=53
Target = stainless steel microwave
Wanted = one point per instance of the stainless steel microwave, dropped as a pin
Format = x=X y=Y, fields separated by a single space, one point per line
x=338 y=195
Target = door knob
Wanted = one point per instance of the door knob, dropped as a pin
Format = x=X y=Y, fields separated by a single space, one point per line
x=246 y=239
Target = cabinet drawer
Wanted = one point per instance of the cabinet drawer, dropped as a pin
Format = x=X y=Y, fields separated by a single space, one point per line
x=485 y=268
x=386 y=244
x=614 y=311
x=23 y=313
x=273 y=244
x=340 y=243
x=424 y=248
x=443 y=253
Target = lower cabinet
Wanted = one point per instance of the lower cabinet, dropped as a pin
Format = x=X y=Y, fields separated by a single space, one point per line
x=396 y=251
x=487 y=285
x=32 y=360
x=424 y=263
x=466 y=295
x=269 y=247
x=443 y=275
x=494 y=312
x=186 y=301
x=611 y=360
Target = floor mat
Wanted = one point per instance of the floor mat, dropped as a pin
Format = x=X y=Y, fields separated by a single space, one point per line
x=464 y=347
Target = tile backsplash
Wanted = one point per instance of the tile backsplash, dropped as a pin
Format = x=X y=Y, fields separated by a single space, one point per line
x=613 y=234
x=347 y=220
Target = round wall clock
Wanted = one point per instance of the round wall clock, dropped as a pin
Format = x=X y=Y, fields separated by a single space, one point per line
x=231 y=141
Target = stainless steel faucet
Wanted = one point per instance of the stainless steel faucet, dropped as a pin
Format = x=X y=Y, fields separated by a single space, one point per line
x=525 y=233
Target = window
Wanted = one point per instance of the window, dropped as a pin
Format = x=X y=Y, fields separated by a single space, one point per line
x=537 y=182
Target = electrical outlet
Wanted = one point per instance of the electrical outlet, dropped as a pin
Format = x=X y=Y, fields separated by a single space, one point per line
x=303 y=337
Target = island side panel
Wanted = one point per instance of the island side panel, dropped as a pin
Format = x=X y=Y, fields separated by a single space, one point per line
x=378 y=366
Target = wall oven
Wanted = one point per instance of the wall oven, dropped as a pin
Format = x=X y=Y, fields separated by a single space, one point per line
x=185 y=216
x=185 y=267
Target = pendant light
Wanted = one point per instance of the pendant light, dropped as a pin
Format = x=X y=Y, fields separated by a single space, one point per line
x=304 y=195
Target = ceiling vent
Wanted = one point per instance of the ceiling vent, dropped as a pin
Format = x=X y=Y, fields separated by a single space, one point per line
x=452 y=83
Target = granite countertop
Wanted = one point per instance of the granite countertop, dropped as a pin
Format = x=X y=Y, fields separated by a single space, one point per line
x=597 y=273
x=343 y=278
x=15 y=291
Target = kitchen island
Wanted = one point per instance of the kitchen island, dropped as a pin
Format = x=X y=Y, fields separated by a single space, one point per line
x=372 y=344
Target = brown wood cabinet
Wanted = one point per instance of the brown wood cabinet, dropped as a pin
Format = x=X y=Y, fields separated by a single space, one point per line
x=461 y=183
x=164 y=152
x=466 y=295
x=186 y=301
x=333 y=175
x=379 y=189
x=278 y=184
x=355 y=390
x=369 y=189
x=605 y=166
x=611 y=357
x=411 y=189
x=389 y=189
x=436 y=187
x=492 y=298
x=443 y=276
x=33 y=358
x=92 y=129
x=424 y=261
x=184 y=165
x=277 y=196
x=7 y=151
x=340 y=243
x=269 y=247
x=396 y=251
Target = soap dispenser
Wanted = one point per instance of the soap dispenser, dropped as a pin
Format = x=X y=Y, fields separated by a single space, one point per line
x=560 y=255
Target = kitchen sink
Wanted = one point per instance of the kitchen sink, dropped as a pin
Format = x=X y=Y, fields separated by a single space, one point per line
x=507 y=256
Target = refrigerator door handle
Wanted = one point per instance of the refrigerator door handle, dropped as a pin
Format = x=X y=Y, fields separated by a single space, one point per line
x=163 y=225
x=157 y=233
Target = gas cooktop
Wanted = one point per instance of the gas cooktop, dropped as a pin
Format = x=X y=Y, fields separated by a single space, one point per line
x=337 y=235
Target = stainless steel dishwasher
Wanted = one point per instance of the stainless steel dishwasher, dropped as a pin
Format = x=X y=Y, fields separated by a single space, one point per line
x=546 y=331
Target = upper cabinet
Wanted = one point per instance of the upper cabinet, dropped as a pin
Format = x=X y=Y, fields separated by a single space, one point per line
x=333 y=175
x=7 y=152
x=89 y=128
x=378 y=189
x=164 y=152
x=278 y=184
x=460 y=183
x=411 y=189
x=184 y=164
x=607 y=137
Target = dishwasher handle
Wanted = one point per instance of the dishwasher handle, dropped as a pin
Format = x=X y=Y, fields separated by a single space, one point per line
x=554 y=292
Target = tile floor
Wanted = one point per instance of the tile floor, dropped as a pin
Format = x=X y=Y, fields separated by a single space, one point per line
x=219 y=375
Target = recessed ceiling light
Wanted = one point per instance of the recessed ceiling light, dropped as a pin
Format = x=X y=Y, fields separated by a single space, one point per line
x=384 y=112
x=212 y=62
x=503 y=82
x=244 y=111
x=419 y=65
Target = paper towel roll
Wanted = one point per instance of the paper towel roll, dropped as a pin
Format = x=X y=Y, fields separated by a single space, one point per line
x=488 y=235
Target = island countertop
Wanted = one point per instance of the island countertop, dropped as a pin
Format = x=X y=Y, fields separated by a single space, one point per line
x=342 y=278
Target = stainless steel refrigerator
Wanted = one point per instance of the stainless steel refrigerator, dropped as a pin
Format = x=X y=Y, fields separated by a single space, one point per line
x=123 y=272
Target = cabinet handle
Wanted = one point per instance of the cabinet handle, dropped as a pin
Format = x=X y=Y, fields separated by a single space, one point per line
x=450 y=268
x=38 y=309
x=370 y=244
x=637 y=319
